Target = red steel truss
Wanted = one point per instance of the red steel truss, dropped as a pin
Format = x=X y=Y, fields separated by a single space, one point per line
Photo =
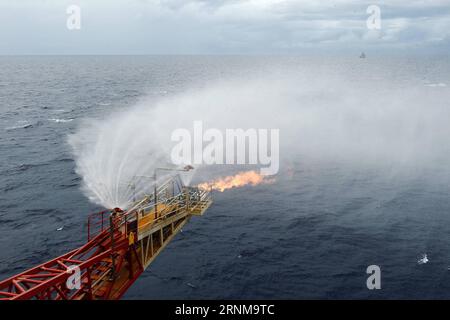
x=107 y=265
x=120 y=246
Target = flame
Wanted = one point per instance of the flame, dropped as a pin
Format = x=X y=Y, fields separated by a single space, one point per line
x=239 y=180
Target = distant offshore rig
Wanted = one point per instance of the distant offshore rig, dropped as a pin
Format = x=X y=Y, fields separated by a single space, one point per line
x=121 y=245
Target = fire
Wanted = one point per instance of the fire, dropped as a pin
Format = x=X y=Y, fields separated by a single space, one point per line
x=239 y=180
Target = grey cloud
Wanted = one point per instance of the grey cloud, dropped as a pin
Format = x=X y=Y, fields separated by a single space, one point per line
x=221 y=26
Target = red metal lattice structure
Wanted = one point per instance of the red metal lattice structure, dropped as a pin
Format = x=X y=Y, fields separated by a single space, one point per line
x=120 y=246
x=107 y=265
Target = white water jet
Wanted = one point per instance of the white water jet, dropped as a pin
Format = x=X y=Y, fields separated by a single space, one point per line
x=318 y=116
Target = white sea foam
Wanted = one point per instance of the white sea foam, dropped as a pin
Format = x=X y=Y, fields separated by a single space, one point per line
x=434 y=85
x=60 y=120
x=21 y=124
x=423 y=259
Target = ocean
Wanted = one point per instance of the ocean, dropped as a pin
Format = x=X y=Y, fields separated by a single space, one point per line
x=355 y=188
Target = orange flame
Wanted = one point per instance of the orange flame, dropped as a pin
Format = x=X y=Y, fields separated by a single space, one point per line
x=239 y=180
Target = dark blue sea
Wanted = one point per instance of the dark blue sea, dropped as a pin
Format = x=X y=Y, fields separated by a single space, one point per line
x=310 y=234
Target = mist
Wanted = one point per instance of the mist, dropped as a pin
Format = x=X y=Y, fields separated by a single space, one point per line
x=319 y=116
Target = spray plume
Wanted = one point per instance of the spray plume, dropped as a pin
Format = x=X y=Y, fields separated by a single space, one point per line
x=318 y=116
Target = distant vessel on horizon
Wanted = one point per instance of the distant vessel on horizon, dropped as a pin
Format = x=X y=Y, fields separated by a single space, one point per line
x=363 y=55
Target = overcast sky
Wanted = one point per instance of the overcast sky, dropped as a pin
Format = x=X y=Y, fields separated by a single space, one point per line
x=223 y=26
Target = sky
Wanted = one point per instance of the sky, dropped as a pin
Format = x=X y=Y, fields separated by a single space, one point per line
x=223 y=26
